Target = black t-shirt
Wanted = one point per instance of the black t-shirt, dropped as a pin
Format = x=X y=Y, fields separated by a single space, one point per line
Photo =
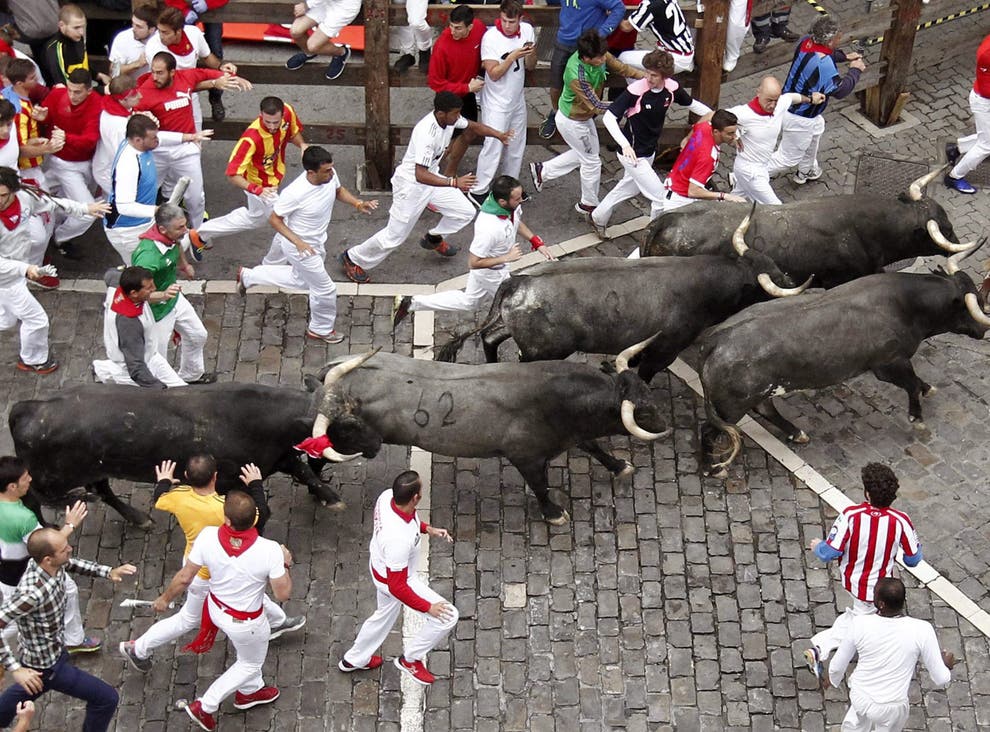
x=643 y=128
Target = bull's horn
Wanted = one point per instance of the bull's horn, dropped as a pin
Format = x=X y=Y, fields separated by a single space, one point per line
x=739 y=235
x=973 y=306
x=338 y=371
x=623 y=359
x=629 y=422
x=953 y=262
x=939 y=238
x=335 y=457
x=916 y=189
x=776 y=291
x=320 y=425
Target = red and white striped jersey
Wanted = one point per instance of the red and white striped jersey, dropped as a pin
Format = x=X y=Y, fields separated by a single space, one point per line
x=868 y=537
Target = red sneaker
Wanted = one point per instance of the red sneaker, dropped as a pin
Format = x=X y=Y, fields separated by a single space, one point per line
x=47 y=282
x=41 y=369
x=352 y=271
x=264 y=695
x=347 y=668
x=446 y=250
x=416 y=669
x=205 y=720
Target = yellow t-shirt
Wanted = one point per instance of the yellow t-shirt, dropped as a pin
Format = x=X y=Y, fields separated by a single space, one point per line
x=193 y=512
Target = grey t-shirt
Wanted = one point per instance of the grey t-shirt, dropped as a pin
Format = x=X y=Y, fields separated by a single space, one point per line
x=35 y=18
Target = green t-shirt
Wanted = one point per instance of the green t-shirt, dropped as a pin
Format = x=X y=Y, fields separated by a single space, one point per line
x=16 y=522
x=164 y=269
x=594 y=75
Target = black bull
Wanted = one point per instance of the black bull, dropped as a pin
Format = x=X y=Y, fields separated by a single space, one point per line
x=603 y=304
x=527 y=413
x=83 y=436
x=835 y=238
x=875 y=323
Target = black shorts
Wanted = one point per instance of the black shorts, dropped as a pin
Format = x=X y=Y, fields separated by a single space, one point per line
x=558 y=62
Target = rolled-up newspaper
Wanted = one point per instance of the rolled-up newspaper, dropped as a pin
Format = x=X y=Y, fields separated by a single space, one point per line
x=131 y=602
x=180 y=190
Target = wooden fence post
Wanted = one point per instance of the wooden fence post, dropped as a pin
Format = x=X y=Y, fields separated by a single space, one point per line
x=378 y=149
x=882 y=104
x=711 y=44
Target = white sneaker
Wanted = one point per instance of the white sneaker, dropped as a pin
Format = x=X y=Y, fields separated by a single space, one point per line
x=802 y=178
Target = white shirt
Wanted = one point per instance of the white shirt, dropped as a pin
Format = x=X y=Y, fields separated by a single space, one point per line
x=507 y=92
x=494 y=235
x=238 y=581
x=307 y=209
x=396 y=541
x=759 y=132
x=889 y=649
x=427 y=144
x=126 y=49
x=10 y=151
x=200 y=49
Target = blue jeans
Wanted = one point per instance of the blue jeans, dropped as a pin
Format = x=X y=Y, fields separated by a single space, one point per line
x=101 y=698
x=213 y=33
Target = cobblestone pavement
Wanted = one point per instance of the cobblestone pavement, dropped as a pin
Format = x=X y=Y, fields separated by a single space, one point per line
x=668 y=602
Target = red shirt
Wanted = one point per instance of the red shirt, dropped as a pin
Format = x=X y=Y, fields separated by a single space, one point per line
x=454 y=63
x=81 y=124
x=982 y=83
x=185 y=5
x=173 y=105
x=697 y=160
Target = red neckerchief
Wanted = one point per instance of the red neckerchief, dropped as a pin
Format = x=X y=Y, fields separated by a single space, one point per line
x=755 y=105
x=236 y=542
x=155 y=235
x=183 y=48
x=5 y=49
x=498 y=24
x=123 y=305
x=314 y=446
x=407 y=517
x=11 y=216
x=112 y=105
x=809 y=46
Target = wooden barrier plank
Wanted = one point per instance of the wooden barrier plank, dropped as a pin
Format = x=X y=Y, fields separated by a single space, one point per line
x=379 y=151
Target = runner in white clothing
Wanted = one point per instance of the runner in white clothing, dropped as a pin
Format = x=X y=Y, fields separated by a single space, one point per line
x=417 y=183
x=507 y=53
x=127 y=51
x=759 y=123
x=394 y=562
x=493 y=247
x=10 y=150
x=326 y=19
x=241 y=563
x=889 y=645
x=666 y=21
x=300 y=218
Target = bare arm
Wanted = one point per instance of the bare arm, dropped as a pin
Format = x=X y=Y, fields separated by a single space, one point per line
x=278 y=223
x=182 y=579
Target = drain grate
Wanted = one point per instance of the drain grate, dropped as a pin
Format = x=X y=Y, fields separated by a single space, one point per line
x=885 y=176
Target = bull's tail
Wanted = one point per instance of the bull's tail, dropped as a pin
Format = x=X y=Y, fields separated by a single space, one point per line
x=449 y=350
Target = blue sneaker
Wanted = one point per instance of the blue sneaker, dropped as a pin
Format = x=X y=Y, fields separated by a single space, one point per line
x=959 y=184
x=298 y=60
x=548 y=127
x=336 y=67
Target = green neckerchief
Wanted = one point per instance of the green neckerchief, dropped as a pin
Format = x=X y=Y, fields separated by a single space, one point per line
x=490 y=206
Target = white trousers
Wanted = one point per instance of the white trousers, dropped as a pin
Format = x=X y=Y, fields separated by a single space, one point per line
x=176 y=161
x=246 y=218
x=375 y=629
x=634 y=58
x=41 y=226
x=864 y=715
x=829 y=639
x=125 y=239
x=71 y=179
x=417 y=35
x=115 y=372
x=74 y=633
x=799 y=143
x=301 y=273
x=494 y=152
x=184 y=321
x=975 y=148
x=481 y=285
x=250 y=641
x=408 y=202
x=582 y=138
x=189 y=618
x=18 y=305
x=638 y=178
x=735 y=33
x=753 y=183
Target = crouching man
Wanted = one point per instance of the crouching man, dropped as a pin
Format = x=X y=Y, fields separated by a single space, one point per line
x=128 y=325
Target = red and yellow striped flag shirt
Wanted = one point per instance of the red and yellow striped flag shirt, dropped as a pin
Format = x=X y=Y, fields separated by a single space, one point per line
x=259 y=155
x=27 y=129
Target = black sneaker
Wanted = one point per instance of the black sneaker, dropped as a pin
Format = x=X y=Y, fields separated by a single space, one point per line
x=430 y=241
x=785 y=34
x=478 y=199
x=526 y=197
x=400 y=309
x=127 y=651
x=424 y=61
x=405 y=62
x=217 y=110
x=761 y=45
x=548 y=127
x=298 y=60
x=208 y=377
x=536 y=170
x=336 y=67
x=291 y=624
x=951 y=153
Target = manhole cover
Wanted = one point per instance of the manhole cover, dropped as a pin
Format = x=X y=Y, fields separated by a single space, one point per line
x=886 y=176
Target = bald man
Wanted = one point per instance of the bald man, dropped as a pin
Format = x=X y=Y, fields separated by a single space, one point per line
x=759 y=126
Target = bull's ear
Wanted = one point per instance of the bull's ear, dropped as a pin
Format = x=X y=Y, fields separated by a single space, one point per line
x=311 y=382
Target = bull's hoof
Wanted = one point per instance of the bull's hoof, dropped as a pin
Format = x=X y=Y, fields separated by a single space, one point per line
x=334 y=505
x=718 y=473
x=801 y=438
x=559 y=520
x=626 y=471
x=920 y=425
x=142 y=521
x=928 y=390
